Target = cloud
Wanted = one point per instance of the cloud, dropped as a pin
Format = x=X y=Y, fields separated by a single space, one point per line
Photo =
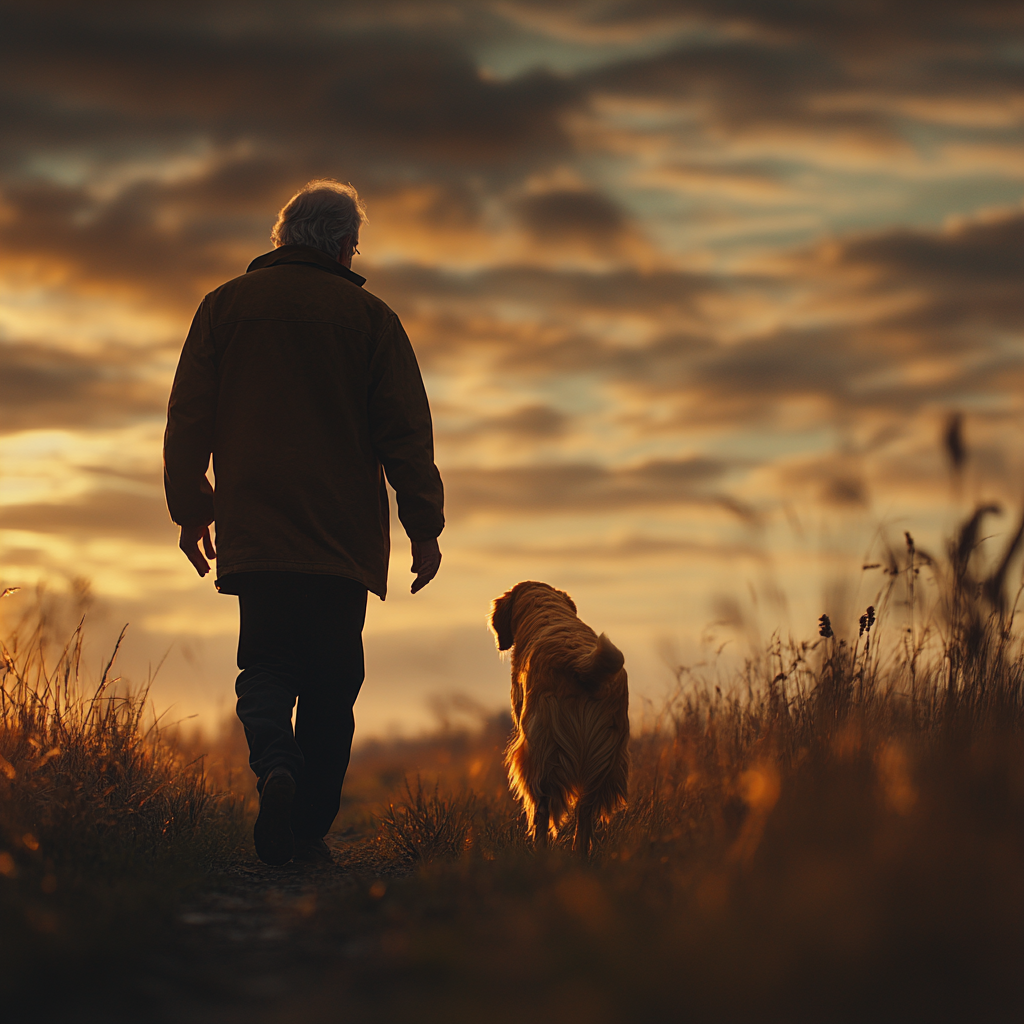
x=972 y=271
x=736 y=83
x=527 y=423
x=390 y=95
x=749 y=184
x=123 y=245
x=909 y=29
x=151 y=149
x=589 y=488
x=106 y=101
x=911 y=319
x=672 y=261
x=887 y=323
x=44 y=387
x=835 y=480
x=628 y=289
x=573 y=214
x=627 y=548
x=897 y=306
x=375 y=93
x=101 y=513
x=801 y=88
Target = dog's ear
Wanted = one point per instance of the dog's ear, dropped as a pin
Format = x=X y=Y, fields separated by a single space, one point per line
x=501 y=620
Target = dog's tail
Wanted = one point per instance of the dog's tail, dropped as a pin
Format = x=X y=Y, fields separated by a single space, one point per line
x=600 y=664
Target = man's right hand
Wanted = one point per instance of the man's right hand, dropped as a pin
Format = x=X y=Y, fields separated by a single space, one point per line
x=426 y=560
x=189 y=543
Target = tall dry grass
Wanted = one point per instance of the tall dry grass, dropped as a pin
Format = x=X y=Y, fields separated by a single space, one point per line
x=838 y=835
x=103 y=819
x=835 y=833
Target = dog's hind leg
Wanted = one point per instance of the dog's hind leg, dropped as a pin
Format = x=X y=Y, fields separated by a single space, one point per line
x=541 y=822
x=584 y=831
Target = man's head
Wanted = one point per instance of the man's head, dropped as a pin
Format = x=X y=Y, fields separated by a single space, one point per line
x=324 y=214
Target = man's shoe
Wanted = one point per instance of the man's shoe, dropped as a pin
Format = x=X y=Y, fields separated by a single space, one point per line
x=272 y=832
x=313 y=851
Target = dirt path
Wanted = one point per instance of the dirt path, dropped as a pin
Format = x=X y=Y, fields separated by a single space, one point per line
x=257 y=948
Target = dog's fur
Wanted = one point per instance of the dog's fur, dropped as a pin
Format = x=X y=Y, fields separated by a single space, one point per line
x=570 y=713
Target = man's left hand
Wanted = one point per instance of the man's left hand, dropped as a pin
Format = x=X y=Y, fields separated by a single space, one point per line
x=426 y=560
x=189 y=543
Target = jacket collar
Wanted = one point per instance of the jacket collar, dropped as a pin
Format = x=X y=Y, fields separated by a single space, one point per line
x=307 y=256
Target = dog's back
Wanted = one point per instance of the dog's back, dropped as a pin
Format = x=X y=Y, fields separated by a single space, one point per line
x=570 y=707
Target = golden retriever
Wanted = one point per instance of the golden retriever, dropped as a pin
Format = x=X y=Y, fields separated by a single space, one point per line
x=570 y=713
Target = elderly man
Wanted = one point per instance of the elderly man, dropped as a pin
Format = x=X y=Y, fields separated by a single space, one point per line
x=305 y=390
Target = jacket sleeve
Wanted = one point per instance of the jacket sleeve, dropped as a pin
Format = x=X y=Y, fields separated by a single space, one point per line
x=402 y=433
x=191 y=414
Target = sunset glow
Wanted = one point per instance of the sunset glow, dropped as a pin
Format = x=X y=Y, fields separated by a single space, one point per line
x=695 y=288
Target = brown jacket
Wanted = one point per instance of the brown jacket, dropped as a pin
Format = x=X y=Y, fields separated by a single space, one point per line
x=306 y=391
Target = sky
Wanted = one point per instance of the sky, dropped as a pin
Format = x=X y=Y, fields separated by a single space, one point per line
x=695 y=288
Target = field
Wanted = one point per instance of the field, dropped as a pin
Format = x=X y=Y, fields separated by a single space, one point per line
x=834 y=834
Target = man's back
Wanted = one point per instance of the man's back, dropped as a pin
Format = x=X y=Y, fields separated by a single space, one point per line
x=305 y=390
x=303 y=386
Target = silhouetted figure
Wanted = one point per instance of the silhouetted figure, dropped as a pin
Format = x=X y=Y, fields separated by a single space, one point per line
x=306 y=391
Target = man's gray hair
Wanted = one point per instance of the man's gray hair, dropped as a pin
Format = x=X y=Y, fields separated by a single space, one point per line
x=320 y=214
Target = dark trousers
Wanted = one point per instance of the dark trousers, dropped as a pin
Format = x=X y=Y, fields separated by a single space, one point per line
x=300 y=637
